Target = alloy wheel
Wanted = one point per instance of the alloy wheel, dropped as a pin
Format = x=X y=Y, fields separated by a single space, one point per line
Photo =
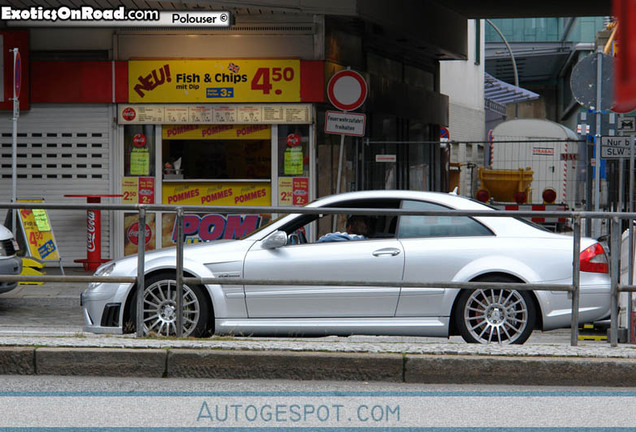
x=496 y=315
x=160 y=309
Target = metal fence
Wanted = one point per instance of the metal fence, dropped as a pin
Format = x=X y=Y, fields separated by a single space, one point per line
x=615 y=221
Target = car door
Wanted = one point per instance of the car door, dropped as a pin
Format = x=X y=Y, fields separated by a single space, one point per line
x=363 y=260
x=436 y=248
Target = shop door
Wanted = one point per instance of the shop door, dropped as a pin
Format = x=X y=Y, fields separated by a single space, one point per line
x=395 y=165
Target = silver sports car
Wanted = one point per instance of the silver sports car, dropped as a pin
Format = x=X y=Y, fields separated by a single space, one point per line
x=412 y=248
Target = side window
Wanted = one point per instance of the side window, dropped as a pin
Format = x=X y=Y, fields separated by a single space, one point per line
x=368 y=226
x=378 y=226
x=437 y=226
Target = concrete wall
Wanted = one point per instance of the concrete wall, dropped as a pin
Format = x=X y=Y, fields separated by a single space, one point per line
x=463 y=82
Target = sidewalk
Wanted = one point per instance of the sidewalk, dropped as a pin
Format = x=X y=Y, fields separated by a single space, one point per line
x=41 y=332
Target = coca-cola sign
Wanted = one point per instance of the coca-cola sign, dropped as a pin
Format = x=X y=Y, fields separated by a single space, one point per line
x=133 y=233
x=139 y=140
x=128 y=114
x=91 y=225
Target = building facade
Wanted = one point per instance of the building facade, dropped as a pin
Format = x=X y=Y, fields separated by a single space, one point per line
x=463 y=82
x=216 y=117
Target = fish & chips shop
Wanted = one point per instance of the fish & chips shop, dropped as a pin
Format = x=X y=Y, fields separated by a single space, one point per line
x=227 y=132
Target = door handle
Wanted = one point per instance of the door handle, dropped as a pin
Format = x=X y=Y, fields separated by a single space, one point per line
x=386 y=251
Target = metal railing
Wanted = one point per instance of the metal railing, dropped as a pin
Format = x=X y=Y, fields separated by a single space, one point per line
x=139 y=280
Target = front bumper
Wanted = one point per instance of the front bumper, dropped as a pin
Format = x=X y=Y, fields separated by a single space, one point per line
x=103 y=308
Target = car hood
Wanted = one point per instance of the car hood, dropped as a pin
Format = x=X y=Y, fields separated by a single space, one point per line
x=194 y=256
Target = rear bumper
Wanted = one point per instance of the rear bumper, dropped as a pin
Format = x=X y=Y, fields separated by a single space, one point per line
x=593 y=306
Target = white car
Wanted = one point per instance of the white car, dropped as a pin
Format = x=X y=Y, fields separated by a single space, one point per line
x=10 y=264
x=413 y=248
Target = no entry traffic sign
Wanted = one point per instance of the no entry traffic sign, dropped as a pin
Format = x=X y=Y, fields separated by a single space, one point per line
x=347 y=90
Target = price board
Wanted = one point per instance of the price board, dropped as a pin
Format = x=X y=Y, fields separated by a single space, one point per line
x=37 y=233
x=213 y=81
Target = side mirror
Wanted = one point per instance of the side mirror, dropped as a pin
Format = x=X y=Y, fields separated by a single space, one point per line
x=275 y=240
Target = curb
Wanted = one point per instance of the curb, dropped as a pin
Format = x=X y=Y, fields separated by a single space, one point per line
x=17 y=361
x=236 y=364
x=188 y=363
x=520 y=371
x=123 y=362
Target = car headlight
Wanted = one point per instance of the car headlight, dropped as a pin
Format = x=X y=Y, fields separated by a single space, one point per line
x=103 y=270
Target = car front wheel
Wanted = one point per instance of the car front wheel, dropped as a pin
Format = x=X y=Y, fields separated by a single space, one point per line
x=495 y=315
x=160 y=308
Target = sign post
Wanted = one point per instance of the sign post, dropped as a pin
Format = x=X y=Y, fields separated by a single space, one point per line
x=592 y=87
x=630 y=316
x=347 y=91
x=17 y=80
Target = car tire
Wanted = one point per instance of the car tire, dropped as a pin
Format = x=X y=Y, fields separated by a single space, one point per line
x=160 y=307
x=495 y=315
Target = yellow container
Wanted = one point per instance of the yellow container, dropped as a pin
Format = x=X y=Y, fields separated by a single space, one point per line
x=503 y=185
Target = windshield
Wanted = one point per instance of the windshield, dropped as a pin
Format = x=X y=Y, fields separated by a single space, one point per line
x=262 y=227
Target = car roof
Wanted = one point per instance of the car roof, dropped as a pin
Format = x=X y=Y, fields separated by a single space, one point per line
x=449 y=199
x=501 y=226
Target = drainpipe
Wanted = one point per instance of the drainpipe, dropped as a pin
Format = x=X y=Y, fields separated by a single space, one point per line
x=512 y=58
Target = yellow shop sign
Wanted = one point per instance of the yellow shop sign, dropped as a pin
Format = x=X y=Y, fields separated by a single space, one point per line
x=218 y=194
x=216 y=132
x=213 y=81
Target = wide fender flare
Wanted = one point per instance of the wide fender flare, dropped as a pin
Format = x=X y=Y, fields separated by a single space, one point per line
x=503 y=265
x=194 y=268
x=497 y=264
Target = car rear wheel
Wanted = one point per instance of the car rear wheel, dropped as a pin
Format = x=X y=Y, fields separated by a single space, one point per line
x=495 y=315
x=160 y=308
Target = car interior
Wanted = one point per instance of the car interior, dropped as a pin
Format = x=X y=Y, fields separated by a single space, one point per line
x=385 y=226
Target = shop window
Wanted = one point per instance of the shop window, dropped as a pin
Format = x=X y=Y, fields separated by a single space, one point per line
x=293 y=165
x=216 y=152
x=293 y=150
x=139 y=150
x=231 y=160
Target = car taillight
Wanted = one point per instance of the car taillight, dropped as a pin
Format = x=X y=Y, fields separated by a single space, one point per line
x=594 y=260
